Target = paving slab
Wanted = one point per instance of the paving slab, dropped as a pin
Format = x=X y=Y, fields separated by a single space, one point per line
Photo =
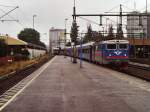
x=65 y=87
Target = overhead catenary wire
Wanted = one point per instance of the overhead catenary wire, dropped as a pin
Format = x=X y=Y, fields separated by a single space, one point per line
x=5 y=13
x=6 y=5
x=91 y=21
x=116 y=7
x=9 y=12
x=12 y=18
x=128 y=7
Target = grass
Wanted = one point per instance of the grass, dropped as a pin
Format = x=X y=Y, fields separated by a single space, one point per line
x=16 y=66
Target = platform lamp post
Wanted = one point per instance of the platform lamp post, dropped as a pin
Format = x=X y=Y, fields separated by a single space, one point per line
x=146 y=6
x=33 y=19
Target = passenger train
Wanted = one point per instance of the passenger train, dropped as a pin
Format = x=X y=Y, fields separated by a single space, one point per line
x=109 y=52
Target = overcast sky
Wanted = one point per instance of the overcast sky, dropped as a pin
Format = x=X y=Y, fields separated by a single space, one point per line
x=52 y=13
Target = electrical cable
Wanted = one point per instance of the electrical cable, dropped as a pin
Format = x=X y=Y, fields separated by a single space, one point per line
x=89 y=20
x=6 y=5
x=13 y=18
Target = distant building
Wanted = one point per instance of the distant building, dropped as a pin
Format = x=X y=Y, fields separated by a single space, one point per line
x=138 y=26
x=57 y=38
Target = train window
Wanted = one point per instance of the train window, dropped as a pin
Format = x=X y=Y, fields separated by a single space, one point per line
x=96 y=48
x=123 y=46
x=111 y=46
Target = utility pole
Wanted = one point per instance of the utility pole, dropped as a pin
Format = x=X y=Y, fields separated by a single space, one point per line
x=74 y=11
x=106 y=25
x=120 y=32
x=75 y=35
x=120 y=16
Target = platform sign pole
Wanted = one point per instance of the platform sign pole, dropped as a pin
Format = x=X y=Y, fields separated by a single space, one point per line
x=81 y=52
x=72 y=44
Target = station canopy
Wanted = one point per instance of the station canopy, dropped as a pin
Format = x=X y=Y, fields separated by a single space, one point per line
x=13 y=41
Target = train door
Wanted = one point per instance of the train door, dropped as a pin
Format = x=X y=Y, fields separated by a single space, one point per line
x=103 y=53
x=97 y=59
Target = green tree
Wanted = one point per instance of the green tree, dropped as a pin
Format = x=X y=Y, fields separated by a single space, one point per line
x=3 y=48
x=119 y=34
x=31 y=36
x=97 y=36
x=110 y=33
x=89 y=35
x=41 y=44
x=74 y=32
x=74 y=35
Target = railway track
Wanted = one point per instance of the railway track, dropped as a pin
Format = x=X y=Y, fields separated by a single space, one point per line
x=142 y=72
x=138 y=71
x=11 y=80
x=140 y=67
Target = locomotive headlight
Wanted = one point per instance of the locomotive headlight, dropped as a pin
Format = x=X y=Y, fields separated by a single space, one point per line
x=109 y=54
x=125 y=54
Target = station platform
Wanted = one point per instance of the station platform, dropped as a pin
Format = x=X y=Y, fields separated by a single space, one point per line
x=62 y=86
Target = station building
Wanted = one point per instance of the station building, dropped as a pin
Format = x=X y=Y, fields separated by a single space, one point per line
x=56 y=38
x=139 y=48
x=138 y=26
x=15 y=49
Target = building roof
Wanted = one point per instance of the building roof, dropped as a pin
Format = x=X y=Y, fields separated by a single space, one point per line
x=139 y=41
x=57 y=30
x=13 y=41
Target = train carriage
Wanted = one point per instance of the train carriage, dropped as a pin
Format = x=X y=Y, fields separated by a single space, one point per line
x=86 y=51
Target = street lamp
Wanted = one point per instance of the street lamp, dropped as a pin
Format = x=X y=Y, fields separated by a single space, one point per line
x=33 y=19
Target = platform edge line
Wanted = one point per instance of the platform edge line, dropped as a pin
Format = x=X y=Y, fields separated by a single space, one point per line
x=49 y=63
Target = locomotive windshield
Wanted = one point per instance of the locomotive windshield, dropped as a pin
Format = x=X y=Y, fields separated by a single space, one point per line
x=111 y=46
x=123 y=46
